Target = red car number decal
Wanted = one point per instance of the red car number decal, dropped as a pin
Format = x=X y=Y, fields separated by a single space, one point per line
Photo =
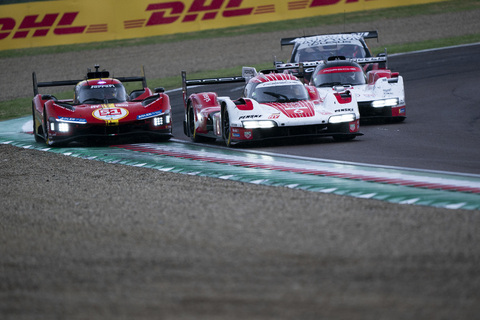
x=110 y=113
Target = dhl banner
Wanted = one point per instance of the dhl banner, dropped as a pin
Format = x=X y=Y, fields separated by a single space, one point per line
x=48 y=23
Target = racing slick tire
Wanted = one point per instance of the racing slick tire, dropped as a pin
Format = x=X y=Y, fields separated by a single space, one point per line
x=45 y=127
x=226 y=132
x=35 y=132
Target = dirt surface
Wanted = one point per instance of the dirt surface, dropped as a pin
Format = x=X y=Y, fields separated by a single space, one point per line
x=84 y=239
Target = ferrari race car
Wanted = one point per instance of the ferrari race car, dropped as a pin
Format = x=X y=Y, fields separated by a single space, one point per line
x=321 y=47
x=275 y=105
x=101 y=109
x=380 y=93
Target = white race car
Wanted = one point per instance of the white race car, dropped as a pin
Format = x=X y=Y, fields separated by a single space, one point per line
x=321 y=47
x=274 y=105
x=380 y=93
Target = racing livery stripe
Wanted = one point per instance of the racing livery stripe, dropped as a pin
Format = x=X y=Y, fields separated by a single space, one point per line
x=300 y=109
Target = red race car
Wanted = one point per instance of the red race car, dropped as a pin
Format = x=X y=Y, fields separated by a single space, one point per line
x=100 y=110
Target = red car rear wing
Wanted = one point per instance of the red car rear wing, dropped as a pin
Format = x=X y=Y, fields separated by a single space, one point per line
x=90 y=75
x=198 y=82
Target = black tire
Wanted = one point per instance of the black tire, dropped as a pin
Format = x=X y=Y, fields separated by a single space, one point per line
x=35 y=132
x=226 y=131
x=45 y=128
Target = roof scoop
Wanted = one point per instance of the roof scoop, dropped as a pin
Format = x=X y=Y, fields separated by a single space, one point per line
x=97 y=74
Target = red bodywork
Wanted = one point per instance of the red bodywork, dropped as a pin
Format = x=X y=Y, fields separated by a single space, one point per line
x=142 y=113
x=374 y=75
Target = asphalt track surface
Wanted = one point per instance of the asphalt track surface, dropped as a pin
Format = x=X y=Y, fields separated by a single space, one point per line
x=441 y=131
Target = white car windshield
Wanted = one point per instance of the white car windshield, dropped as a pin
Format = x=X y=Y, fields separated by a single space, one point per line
x=323 y=52
x=341 y=75
x=274 y=92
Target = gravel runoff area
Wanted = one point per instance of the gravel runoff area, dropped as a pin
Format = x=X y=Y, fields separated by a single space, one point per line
x=83 y=239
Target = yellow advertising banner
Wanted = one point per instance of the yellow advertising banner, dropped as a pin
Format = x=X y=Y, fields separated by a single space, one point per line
x=48 y=23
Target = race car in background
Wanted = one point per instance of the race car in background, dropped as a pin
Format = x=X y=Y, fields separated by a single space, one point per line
x=274 y=105
x=380 y=93
x=100 y=110
x=321 y=47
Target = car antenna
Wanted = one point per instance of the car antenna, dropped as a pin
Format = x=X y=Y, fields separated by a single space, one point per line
x=97 y=72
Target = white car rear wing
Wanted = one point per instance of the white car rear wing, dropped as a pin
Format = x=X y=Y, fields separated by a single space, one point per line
x=312 y=64
x=363 y=34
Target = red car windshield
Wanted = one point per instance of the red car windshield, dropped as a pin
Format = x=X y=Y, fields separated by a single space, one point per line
x=102 y=93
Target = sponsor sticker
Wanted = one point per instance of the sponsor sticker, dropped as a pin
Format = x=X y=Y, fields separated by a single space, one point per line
x=274 y=116
x=250 y=116
x=149 y=115
x=72 y=120
x=108 y=114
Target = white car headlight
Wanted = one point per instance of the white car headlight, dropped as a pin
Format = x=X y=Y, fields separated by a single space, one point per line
x=349 y=117
x=162 y=120
x=158 y=121
x=385 y=103
x=59 y=126
x=63 y=127
x=255 y=124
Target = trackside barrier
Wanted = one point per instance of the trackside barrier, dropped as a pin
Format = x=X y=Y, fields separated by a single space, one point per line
x=396 y=185
x=50 y=23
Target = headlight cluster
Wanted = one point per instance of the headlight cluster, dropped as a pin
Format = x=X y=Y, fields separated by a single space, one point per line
x=162 y=120
x=59 y=126
x=255 y=124
x=385 y=103
x=349 y=117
